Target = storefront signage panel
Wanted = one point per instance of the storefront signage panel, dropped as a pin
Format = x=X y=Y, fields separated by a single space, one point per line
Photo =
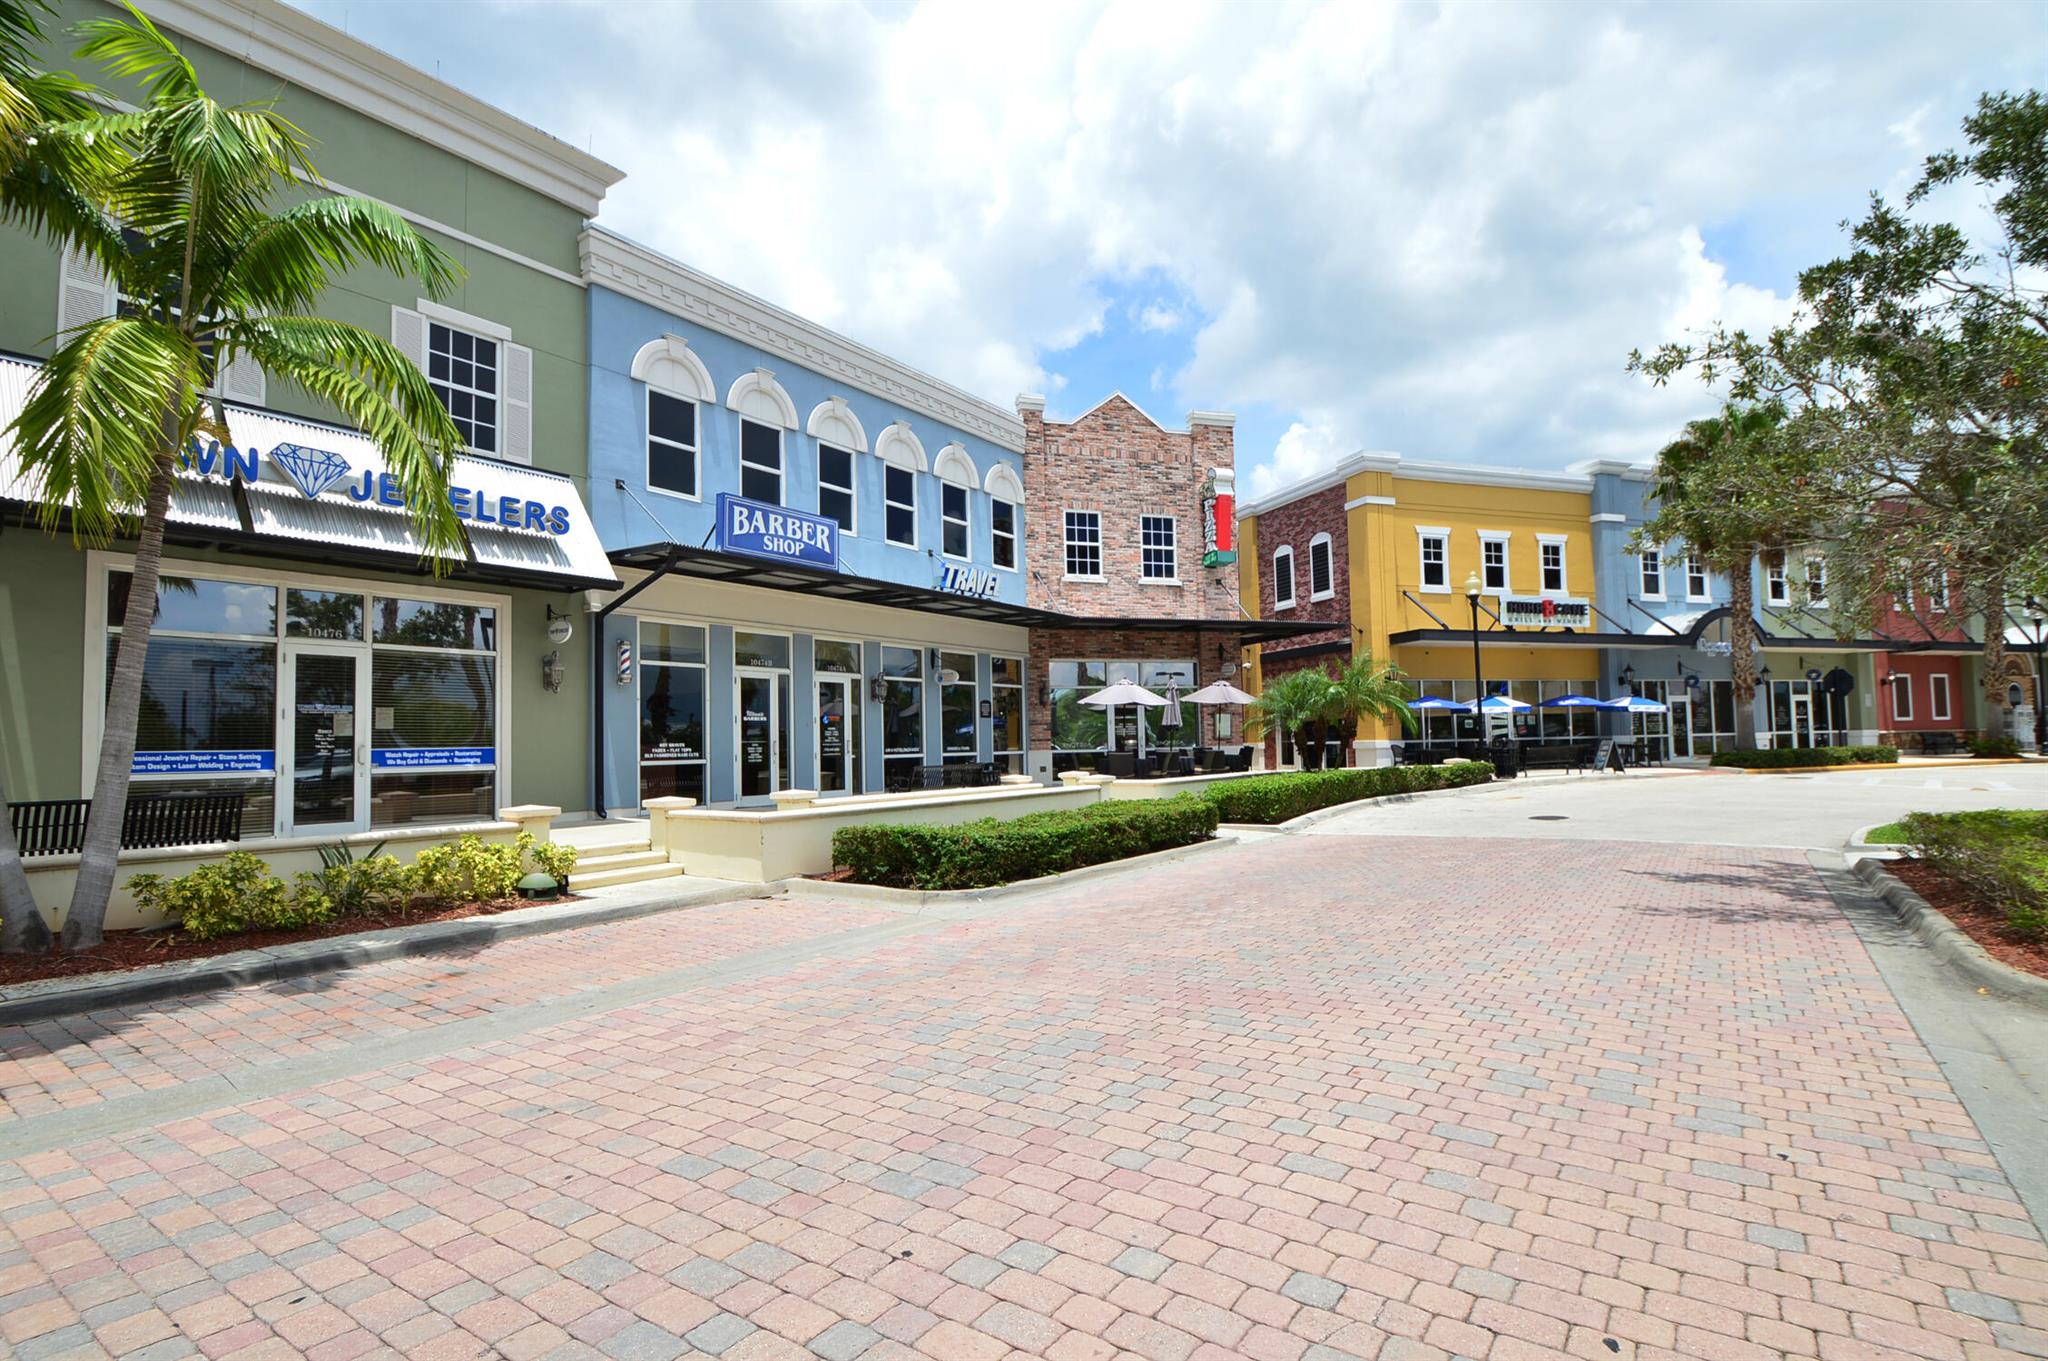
x=431 y=758
x=317 y=471
x=777 y=533
x=961 y=579
x=1219 y=522
x=1543 y=611
x=204 y=763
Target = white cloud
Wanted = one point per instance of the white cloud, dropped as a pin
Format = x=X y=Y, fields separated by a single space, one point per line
x=1438 y=229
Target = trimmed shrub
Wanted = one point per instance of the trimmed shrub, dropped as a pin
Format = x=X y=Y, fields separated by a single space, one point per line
x=2001 y=854
x=234 y=894
x=1289 y=794
x=1988 y=747
x=1785 y=758
x=988 y=852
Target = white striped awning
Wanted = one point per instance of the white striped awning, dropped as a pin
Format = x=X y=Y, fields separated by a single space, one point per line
x=297 y=486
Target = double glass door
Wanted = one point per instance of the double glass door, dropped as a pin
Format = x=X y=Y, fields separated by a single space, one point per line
x=326 y=691
x=761 y=710
x=838 y=749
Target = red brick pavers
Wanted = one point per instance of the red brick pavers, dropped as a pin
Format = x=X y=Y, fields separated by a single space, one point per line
x=1307 y=1099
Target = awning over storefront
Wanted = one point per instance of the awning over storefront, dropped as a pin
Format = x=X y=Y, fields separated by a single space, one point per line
x=681 y=560
x=302 y=489
x=1679 y=631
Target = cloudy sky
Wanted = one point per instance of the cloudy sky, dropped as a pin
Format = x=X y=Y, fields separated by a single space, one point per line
x=1437 y=229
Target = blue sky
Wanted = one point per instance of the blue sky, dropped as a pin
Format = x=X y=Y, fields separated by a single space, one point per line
x=1435 y=229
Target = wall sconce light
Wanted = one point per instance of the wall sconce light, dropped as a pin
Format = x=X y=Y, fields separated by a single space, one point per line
x=878 y=689
x=1628 y=677
x=551 y=672
x=932 y=654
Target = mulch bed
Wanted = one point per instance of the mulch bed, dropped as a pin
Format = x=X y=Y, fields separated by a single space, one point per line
x=1981 y=922
x=121 y=951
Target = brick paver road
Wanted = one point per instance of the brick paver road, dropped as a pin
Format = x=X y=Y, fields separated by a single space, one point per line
x=1315 y=1098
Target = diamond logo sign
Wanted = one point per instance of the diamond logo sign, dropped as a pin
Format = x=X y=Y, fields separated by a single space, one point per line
x=314 y=470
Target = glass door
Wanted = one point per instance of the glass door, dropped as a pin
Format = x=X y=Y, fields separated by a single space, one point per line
x=760 y=732
x=838 y=736
x=1802 y=719
x=328 y=745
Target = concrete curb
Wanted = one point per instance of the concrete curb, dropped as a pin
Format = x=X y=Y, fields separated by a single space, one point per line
x=46 y=998
x=1949 y=942
x=923 y=898
x=1860 y=843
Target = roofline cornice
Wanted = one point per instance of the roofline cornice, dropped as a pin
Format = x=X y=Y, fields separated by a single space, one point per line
x=625 y=266
x=319 y=57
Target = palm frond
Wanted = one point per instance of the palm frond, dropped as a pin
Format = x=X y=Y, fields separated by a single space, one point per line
x=93 y=429
x=371 y=383
x=286 y=263
x=134 y=49
x=45 y=192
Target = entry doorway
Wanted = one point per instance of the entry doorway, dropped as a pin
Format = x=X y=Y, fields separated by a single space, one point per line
x=761 y=717
x=1802 y=719
x=838 y=738
x=327 y=744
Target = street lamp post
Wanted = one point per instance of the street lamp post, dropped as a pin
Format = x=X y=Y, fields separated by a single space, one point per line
x=2038 y=613
x=1472 y=589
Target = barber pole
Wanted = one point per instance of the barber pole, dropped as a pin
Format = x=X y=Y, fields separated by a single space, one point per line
x=625 y=662
x=1219 y=518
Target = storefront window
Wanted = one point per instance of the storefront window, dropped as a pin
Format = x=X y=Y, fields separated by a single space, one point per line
x=208 y=718
x=957 y=706
x=769 y=650
x=1161 y=728
x=902 y=714
x=671 y=710
x=1007 y=693
x=831 y=655
x=434 y=712
x=1077 y=726
x=334 y=615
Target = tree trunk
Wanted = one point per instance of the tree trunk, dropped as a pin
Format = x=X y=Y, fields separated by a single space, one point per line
x=1991 y=603
x=22 y=928
x=1742 y=649
x=99 y=857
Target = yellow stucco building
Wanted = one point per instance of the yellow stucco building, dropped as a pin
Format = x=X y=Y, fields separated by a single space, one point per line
x=1386 y=551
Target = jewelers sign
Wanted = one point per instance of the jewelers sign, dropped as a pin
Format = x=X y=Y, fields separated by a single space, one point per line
x=1546 y=612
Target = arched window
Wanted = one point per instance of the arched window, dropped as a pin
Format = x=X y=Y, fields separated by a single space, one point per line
x=840 y=436
x=1283 y=578
x=765 y=412
x=1006 y=494
x=957 y=478
x=1322 y=580
x=678 y=385
x=903 y=459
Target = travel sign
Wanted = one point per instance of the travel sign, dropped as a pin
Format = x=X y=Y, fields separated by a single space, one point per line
x=315 y=472
x=777 y=533
x=1546 y=611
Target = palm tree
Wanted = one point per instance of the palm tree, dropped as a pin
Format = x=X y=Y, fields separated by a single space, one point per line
x=175 y=202
x=1290 y=703
x=1729 y=488
x=1365 y=688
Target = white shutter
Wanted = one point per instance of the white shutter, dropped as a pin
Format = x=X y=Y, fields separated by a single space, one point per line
x=85 y=292
x=409 y=334
x=242 y=381
x=515 y=433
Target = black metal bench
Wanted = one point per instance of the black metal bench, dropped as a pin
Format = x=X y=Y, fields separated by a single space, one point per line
x=57 y=826
x=1940 y=744
x=1558 y=756
x=956 y=775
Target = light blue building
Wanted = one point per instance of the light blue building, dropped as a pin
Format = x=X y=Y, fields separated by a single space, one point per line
x=823 y=549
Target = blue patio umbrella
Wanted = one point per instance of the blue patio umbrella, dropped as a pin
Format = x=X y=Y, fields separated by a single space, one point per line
x=1575 y=702
x=1503 y=704
x=1636 y=704
x=1437 y=702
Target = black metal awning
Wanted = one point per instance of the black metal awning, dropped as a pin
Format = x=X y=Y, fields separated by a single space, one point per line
x=1509 y=636
x=711 y=565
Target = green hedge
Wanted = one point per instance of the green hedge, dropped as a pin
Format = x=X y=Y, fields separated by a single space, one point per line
x=2001 y=854
x=1781 y=758
x=1276 y=798
x=991 y=851
x=1990 y=748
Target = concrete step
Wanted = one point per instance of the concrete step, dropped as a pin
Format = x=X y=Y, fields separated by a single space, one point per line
x=618 y=860
x=581 y=881
x=608 y=848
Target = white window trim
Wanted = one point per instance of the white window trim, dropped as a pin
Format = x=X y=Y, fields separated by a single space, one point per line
x=1806 y=582
x=696 y=454
x=1442 y=535
x=1174 y=580
x=1902 y=688
x=1562 y=543
x=1325 y=541
x=1642 y=567
x=1777 y=583
x=741 y=465
x=1706 y=594
x=1016 y=534
x=462 y=321
x=1064 y=541
x=967 y=494
x=852 y=492
x=1288 y=603
x=1938 y=687
x=99 y=563
x=1505 y=538
x=887 y=505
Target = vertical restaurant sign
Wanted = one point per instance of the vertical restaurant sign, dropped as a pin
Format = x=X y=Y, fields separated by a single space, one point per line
x=778 y=533
x=1219 y=518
